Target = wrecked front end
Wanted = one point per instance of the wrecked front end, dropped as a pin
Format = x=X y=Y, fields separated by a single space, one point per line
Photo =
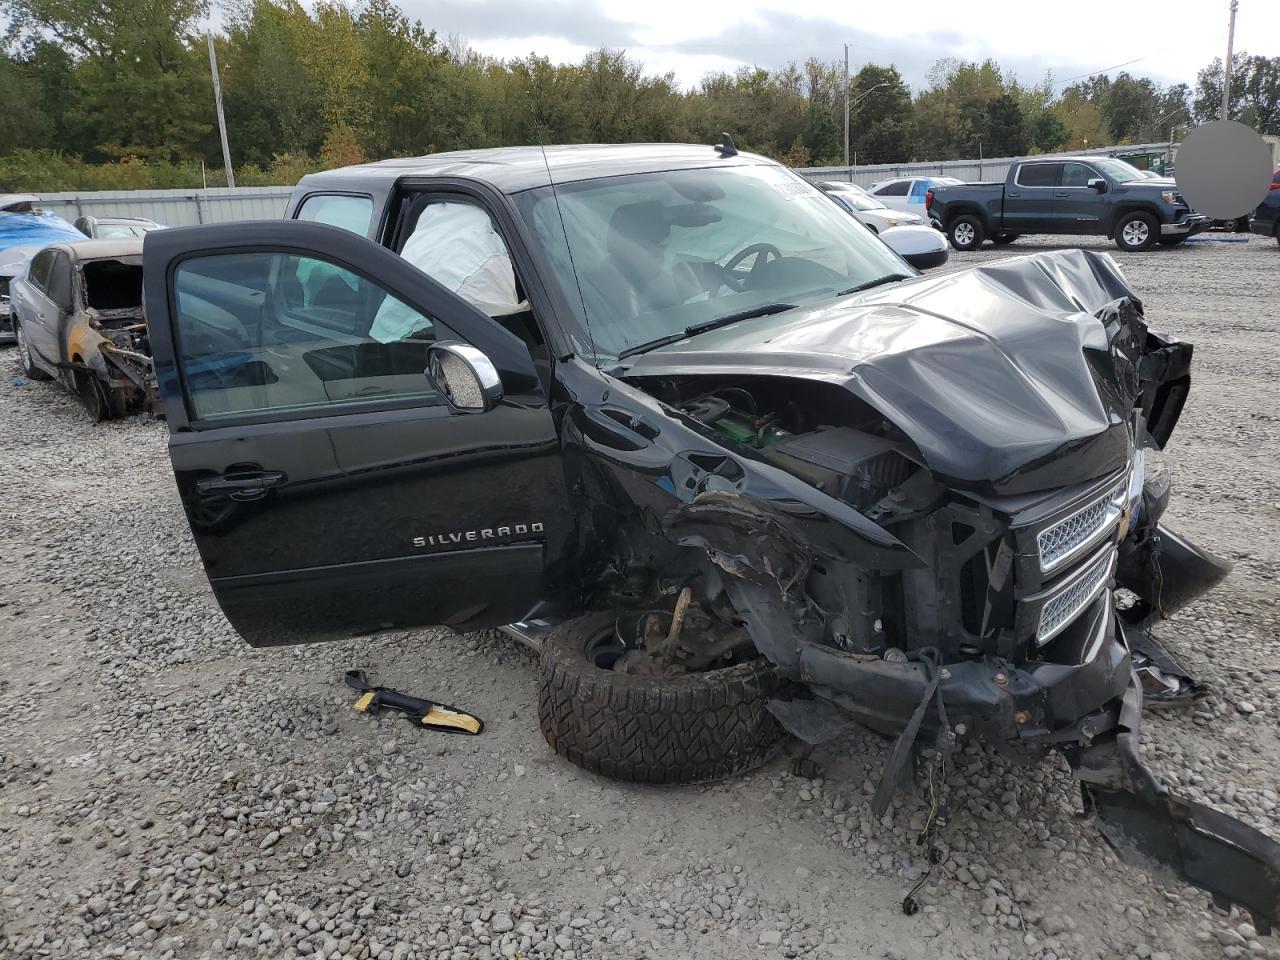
x=108 y=340
x=920 y=505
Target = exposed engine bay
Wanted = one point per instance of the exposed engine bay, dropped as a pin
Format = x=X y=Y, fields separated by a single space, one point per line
x=937 y=568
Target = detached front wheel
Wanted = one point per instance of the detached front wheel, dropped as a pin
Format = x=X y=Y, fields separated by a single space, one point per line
x=682 y=728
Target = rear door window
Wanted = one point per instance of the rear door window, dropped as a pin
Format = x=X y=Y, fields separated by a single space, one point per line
x=292 y=333
x=1040 y=175
x=59 y=286
x=39 y=273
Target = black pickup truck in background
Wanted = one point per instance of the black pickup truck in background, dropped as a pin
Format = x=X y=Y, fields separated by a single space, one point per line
x=1101 y=196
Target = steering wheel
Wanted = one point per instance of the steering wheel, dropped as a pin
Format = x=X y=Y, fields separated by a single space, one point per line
x=764 y=250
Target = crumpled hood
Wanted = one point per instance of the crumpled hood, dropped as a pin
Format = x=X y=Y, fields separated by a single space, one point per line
x=1003 y=375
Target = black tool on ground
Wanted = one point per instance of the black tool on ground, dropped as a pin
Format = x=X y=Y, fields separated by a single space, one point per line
x=422 y=713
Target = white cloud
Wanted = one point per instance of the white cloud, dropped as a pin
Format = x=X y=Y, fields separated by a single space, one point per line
x=1170 y=41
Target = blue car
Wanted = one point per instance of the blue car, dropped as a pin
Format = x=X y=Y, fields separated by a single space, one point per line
x=24 y=230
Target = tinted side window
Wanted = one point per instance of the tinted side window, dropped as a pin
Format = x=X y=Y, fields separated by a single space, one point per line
x=39 y=273
x=349 y=213
x=60 y=282
x=255 y=334
x=1077 y=175
x=1040 y=174
x=898 y=188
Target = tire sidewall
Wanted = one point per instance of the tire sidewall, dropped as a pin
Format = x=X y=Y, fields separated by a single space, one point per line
x=972 y=222
x=24 y=349
x=1153 y=232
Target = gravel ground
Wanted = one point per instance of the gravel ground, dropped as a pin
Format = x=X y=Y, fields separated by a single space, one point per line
x=166 y=791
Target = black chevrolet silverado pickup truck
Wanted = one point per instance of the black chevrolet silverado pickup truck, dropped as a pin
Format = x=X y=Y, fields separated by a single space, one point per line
x=1101 y=196
x=673 y=418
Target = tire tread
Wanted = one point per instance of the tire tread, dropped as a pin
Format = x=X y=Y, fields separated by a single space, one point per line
x=688 y=729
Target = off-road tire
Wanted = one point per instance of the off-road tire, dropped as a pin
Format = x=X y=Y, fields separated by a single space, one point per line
x=1000 y=239
x=24 y=354
x=1134 y=220
x=966 y=232
x=685 y=729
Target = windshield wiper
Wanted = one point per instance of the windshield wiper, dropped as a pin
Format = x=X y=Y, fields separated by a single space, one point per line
x=879 y=281
x=763 y=310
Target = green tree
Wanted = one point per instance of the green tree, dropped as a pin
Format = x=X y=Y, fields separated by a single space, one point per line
x=140 y=82
x=880 y=126
x=272 y=103
x=1005 y=130
x=1255 y=92
x=1047 y=133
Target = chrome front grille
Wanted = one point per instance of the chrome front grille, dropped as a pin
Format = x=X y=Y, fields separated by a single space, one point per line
x=1073 y=535
x=1072 y=597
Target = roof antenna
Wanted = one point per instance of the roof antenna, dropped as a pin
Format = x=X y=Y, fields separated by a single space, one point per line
x=726 y=147
x=551 y=181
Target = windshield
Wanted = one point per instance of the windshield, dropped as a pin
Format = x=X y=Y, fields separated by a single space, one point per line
x=860 y=201
x=651 y=255
x=1117 y=170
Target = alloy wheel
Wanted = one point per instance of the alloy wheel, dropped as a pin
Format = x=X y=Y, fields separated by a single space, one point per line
x=964 y=234
x=1135 y=233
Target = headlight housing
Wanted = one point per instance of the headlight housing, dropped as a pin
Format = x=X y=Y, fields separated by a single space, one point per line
x=1173 y=197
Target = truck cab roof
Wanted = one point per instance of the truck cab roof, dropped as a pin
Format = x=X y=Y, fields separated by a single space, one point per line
x=515 y=169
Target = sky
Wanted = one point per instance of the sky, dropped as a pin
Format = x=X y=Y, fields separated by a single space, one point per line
x=1169 y=39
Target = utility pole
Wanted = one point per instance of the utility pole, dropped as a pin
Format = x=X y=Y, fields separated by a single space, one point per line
x=1226 y=65
x=222 y=120
x=846 y=104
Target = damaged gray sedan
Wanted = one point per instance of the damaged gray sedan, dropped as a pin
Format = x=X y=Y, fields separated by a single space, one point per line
x=77 y=317
x=728 y=462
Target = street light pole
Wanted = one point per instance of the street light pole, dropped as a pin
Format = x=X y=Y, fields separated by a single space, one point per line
x=846 y=107
x=222 y=120
x=1226 y=66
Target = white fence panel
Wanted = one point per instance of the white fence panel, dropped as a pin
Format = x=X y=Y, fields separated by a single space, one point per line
x=174 y=208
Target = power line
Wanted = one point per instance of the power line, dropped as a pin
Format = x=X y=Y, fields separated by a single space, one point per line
x=1086 y=76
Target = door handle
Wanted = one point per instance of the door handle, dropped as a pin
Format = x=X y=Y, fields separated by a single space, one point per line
x=1013 y=196
x=241 y=486
x=1062 y=195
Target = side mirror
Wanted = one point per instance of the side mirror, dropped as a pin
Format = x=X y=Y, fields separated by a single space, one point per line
x=467 y=378
x=922 y=247
x=1097 y=183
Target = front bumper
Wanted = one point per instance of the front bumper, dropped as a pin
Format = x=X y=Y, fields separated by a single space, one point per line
x=1152 y=828
x=1187 y=225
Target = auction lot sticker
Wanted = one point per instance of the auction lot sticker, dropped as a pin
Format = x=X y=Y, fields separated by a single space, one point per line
x=1223 y=169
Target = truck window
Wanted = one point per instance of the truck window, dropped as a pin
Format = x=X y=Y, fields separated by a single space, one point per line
x=455 y=242
x=1039 y=175
x=266 y=343
x=338 y=210
x=1077 y=175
